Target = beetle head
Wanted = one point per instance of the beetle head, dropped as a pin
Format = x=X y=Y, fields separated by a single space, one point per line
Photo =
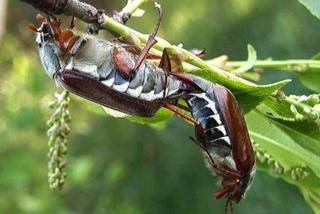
x=49 y=50
x=54 y=43
x=235 y=183
x=46 y=32
x=235 y=187
x=50 y=31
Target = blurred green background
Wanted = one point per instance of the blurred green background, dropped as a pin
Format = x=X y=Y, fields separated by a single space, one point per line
x=116 y=166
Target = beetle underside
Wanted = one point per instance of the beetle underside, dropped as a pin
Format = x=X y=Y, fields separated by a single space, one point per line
x=120 y=77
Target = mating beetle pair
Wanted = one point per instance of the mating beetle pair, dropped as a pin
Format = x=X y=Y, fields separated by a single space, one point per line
x=120 y=77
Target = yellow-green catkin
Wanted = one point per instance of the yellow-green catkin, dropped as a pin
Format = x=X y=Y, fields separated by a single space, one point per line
x=58 y=131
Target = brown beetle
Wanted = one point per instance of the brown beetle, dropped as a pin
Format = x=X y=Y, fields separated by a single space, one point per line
x=222 y=135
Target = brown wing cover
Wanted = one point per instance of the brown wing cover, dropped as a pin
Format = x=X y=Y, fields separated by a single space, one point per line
x=97 y=92
x=236 y=127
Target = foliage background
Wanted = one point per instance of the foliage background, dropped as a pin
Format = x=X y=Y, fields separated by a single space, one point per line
x=116 y=166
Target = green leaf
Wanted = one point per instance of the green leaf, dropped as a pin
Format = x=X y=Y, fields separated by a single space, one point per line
x=312 y=196
x=311 y=181
x=160 y=116
x=313 y=6
x=281 y=145
x=113 y=113
x=316 y=56
x=309 y=185
x=250 y=98
x=158 y=121
x=277 y=109
x=306 y=134
x=231 y=83
x=311 y=79
x=252 y=58
x=238 y=86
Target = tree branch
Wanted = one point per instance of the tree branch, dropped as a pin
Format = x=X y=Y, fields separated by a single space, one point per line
x=76 y=8
x=91 y=14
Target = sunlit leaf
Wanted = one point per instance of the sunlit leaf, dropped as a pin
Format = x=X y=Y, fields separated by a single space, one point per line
x=306 y=134
x=312 y=196
x=313 y=6
x=282 y=146
x=160 y=116
x=316 y=56
x=250 y=98
x=275 y=108
x=310 y=181
x=114 y=113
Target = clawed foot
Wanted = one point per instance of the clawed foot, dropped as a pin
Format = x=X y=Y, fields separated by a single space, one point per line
x=96 y=19
x=121 y=17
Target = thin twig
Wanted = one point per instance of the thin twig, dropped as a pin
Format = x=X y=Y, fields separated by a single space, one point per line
x=76 y=8
x=296 y=65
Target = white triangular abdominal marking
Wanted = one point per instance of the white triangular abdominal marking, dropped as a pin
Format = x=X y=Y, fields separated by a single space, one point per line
x=147 y=96
x=110 y=79
x=134 y=92
x=120 y=84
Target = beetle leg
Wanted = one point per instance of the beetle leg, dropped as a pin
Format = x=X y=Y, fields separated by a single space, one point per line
x=184 y=116
x=133 y=46
x=214 y=165
x=71 y=43
x=171 y=55
x=165 y=63
x=121 y=17
x=96 y=19
x=229 y=205
x=32 y=27
x=123 y=63
x=125 y=66
x=166 y=67
x=119 y=56
x=74 y=44
x=136 y=51
x=183 y=107
x=205 y=149
x=66 y=35
x=151 y=40
x=72 y=23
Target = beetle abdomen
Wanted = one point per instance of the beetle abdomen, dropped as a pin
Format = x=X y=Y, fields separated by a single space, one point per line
x=148 y=87
x=214 y=136
x=91 y=89
x=148 y=82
